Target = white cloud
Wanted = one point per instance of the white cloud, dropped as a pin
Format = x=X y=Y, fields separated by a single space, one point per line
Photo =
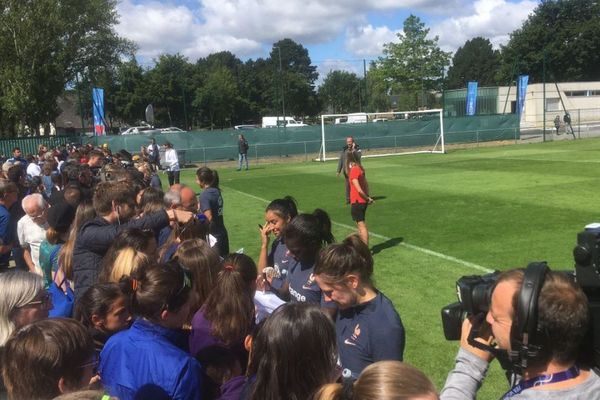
x=368 y=41
x=492 y=19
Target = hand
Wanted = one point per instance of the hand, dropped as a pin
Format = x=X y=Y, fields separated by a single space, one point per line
x=485 y=337
x=337 y=174
x=265 y=232
x=370 y=200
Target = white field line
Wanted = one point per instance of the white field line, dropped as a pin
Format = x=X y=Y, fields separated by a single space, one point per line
x=407 y=245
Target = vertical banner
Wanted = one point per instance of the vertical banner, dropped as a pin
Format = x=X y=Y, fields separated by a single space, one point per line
x=521 y=93
x=98 y=105
x=471 y=97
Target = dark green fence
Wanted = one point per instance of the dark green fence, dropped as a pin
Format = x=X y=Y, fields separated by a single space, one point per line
x=29 y=145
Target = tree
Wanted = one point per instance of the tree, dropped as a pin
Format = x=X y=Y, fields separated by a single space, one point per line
x=44 y=44
x=340 y=92
x=218 y=96
x=568 y=31
x=293 y=79
x=415 y=64
x=477 y=61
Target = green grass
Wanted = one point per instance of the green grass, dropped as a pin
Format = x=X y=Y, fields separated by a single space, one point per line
x=494 y=207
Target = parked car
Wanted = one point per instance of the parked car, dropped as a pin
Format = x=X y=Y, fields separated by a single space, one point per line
x=171 y=129
x=135 y=130
x=245 y=127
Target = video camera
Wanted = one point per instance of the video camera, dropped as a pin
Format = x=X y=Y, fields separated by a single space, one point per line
x=475 y=291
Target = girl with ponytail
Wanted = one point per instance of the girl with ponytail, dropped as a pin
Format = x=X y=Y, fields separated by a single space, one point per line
x=227 y=315
x=211 y=205
x=149 y=360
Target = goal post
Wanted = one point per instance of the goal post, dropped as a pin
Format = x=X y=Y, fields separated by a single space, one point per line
x=384 y=133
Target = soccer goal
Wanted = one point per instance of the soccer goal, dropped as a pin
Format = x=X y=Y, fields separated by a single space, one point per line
x=383 y=134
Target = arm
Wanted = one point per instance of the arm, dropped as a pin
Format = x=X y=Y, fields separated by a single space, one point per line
x=263 y=257
x=340 y=165
x=208 y=214
x=360 y=190
x=28 y=259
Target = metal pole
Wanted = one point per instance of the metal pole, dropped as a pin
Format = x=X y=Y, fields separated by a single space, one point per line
x=281 y=83
x=544 y=100
x=323 y=136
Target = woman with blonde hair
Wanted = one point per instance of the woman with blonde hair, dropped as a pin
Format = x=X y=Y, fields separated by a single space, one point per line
x=384 y=380
x=23 y=301
x=126 y=261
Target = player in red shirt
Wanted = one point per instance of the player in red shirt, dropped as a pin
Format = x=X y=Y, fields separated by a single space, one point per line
x=359 y=194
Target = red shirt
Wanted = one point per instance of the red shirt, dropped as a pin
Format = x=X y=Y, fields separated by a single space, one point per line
x=357 y=173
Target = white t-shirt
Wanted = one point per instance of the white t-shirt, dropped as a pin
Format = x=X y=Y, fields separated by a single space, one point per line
x=32 y=234
x=33 y=169
x=171 y=160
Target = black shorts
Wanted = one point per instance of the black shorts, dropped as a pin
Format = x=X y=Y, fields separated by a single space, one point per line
x=358 y=211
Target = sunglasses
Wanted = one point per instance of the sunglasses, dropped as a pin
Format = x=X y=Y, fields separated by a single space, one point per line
x=44 y=301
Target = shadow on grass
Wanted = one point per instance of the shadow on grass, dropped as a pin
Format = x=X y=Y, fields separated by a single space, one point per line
x=379 y=197
x=378 y=248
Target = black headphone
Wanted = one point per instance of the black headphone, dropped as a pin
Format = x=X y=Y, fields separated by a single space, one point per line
x=525 y=338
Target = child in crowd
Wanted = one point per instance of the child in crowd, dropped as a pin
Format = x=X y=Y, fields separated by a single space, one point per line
x=293 y=354
x=384 y=380
x=104 y=310
x=149 y=360
x=368 y=328
x=47 y=358
x=227 y=315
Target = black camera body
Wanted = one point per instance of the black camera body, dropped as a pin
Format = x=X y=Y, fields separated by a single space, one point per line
x=474 y=292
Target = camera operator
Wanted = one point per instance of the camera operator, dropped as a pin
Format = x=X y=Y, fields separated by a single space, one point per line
x=545 y=356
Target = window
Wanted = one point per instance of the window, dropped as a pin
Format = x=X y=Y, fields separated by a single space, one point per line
x=552 y=104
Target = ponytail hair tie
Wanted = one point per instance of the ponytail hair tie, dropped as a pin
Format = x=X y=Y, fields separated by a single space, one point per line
x=135 y=284
x=228 y=267
x=347 y=390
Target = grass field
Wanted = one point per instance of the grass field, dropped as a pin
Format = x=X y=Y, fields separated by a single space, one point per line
x=436 y=218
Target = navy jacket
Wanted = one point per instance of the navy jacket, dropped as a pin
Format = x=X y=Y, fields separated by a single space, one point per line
x=147 y=361
x=93 y=240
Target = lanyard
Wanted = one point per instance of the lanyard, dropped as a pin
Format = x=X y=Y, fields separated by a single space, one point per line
x=541 y=380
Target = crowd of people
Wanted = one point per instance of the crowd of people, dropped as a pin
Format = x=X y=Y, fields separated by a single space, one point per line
x=112 y=288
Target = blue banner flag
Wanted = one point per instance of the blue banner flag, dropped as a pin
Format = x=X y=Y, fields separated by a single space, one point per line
x=521 y=93
x=98 y=105
x=471 y=97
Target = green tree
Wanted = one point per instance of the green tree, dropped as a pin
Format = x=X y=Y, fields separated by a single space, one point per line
x=168 y=86
x=293 y=79
x=568 y=31
x=414 y=65
x=44 y=44
x=340 y=92
x=217 y=97
x=477 y=61
x=377 y=90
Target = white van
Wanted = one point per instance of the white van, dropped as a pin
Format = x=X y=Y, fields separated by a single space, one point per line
x=356 y=118
x=274 y=122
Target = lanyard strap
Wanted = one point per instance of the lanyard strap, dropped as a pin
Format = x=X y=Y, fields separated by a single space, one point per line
x=542 y=380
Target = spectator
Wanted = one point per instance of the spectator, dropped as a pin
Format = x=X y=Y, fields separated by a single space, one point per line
x=150 y=200
x=211 y=205
x=343 y=164
x=195 y=228
x=367 y=325
x=48 y=170
x=60 y=218
x=149 y=360
x=204 y=265
x=171 y=163
x=293 y=354
x=104 y=310
x=23 y=301
x=243 y=151
x=153 y=154
x=278 y=215
x=31 y=230
x=542 y=346
x=384 y=380
x=132 y=247
x=47 y=358
x=85 y=212
x=227 y=315
x=8 y=196
x=151 y=178
x=33 y=169
x=115 y=206
x=17 y=157
x=557 y=123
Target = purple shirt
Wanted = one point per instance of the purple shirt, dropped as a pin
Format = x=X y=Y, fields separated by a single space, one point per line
x=201 y=338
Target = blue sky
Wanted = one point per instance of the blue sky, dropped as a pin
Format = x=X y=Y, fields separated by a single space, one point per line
x=338 y=34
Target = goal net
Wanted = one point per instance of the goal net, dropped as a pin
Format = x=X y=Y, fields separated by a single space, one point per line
x=383 y=134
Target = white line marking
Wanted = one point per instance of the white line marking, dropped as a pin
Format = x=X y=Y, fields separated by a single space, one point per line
x=382 y=237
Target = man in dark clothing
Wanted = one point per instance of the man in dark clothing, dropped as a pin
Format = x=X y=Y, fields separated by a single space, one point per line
x=115 y=206
x=243 y=151
x=8 y=196
x=343 y=165
x=154 y=154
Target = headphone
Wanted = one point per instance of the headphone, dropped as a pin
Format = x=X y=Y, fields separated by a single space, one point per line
x=525 y=339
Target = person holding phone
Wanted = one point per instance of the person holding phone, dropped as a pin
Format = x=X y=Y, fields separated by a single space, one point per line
x=343 y=163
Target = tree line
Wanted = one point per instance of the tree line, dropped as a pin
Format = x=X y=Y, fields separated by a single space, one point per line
x=53 y=48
